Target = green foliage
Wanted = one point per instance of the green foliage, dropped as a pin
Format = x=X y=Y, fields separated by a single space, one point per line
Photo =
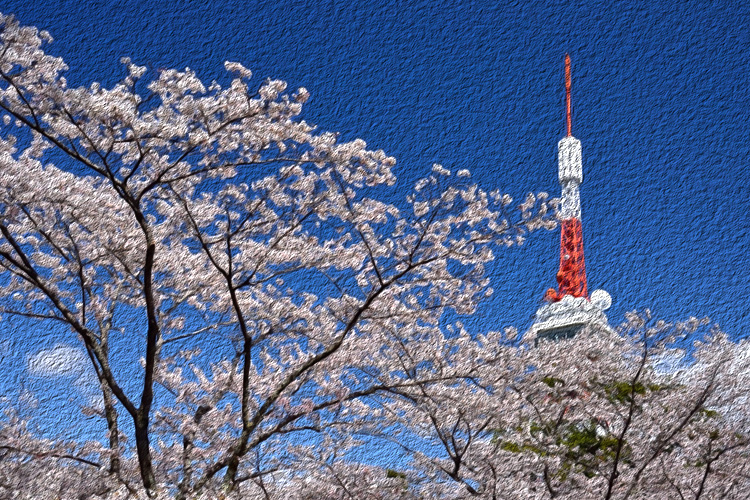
x=623 y=391
x=552 y=381
x=587 y=447
x=511 y=447
x=588 y=438
x=705 y=412
x=390 y=473
x=584 y=446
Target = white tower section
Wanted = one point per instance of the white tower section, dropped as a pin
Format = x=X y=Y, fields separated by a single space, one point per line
x=570 y=174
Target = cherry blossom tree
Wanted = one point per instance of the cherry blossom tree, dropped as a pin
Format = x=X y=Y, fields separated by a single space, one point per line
x=286 y=317
x=652 y=410
x=168 y=210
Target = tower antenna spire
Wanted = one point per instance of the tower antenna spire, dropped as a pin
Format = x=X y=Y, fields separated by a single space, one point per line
x=568 y=86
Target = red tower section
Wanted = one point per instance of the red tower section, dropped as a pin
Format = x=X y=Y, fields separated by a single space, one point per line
x=571 y=278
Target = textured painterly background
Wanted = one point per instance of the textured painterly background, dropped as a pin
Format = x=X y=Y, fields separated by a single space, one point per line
x=661 y=94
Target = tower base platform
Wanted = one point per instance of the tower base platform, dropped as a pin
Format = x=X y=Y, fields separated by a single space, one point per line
x=565 y=319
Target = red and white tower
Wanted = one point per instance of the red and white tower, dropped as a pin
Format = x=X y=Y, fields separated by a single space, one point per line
x=571 y=278
x=569 y=308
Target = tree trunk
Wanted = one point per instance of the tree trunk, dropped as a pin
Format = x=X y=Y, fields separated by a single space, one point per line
x=144 y=452
x=110 y=412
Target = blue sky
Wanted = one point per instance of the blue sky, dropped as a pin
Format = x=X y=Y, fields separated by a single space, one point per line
x=661 y=96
